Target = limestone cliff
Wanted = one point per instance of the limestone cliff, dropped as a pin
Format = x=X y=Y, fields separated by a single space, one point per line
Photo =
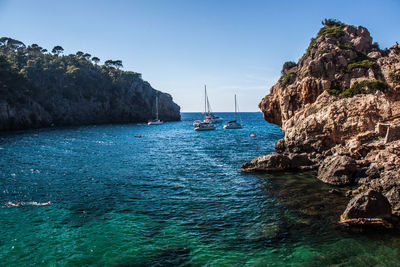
x=339 y=109
x=39 y=89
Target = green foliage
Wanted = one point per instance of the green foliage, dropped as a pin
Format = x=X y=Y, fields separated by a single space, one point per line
x=287 y=66
x=57 y=50
x=363 y=87
x=113 y=64
x=394 y=77
x=28 y=74
x=334 y=92
x=13 y=85
x=366 y=64
x=287 y=78
x=336 y=31
x=332 y=22
x=95 y=60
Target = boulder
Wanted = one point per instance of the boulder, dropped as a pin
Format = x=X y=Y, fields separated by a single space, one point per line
x=369 y=204
x=337 y=170
x=279 y=162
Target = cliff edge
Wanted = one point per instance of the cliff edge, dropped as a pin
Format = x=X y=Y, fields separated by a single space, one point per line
x=339 y=109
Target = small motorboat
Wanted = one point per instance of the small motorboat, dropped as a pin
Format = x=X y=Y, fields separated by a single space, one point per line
x=233 y=125
x=205 y=126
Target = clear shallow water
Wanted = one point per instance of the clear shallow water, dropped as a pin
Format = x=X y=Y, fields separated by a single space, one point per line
x=173 y=197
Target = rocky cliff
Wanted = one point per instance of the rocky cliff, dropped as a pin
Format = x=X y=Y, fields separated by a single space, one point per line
x=39 y=89
x=339 y=109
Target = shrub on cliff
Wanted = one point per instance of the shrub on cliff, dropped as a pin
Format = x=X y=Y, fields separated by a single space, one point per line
x=287 y=78
x=336 y=31
x=287 y=66
x=363 y=87
x=360 y=64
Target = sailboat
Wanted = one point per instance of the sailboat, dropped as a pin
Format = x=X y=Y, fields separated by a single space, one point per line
x=209 y=115
x=206 y=124
x=233 y=124
x=156 y=121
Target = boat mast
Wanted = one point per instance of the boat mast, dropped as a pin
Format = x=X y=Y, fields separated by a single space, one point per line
x=235 y=109
x=205 y=99
x=157 y=106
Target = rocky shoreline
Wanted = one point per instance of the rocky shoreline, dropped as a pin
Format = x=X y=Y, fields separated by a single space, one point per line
x=339 y=109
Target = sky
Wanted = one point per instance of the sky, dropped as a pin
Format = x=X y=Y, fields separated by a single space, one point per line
x=233 y=47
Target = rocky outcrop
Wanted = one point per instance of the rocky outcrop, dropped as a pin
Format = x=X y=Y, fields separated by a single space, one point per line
x=339 y=109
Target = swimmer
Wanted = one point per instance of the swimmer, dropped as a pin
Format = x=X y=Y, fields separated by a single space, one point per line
x=252 y=134
x=32 y=203
x=17 y=204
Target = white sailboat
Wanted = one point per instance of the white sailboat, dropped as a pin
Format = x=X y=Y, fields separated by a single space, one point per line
x=233 y=124
x=206 y=124
x=156 y=121
x=209 y=115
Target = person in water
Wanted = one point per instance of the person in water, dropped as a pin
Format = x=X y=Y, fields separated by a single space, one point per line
x=32 y=203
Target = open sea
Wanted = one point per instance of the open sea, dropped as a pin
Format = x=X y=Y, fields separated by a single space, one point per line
x=174 y=197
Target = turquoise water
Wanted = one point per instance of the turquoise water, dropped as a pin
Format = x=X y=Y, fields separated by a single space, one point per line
x=172 y=198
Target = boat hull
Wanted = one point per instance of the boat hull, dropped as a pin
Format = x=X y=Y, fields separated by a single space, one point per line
x=233 y=126
x=155 y=122
x=205 y=128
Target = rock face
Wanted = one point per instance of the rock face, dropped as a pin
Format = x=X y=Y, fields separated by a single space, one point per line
x=339 y=109
x=133 y=102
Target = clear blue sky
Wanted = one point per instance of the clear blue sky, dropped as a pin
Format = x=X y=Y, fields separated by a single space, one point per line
x=180 y=45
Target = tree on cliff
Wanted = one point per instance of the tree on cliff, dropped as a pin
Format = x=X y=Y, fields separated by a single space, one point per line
x=96 y=60
x=332 y=22
x=57 y=50
x=11 y=44
x=113 y=64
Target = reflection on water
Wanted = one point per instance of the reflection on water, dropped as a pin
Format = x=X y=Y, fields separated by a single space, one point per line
x=173 y=197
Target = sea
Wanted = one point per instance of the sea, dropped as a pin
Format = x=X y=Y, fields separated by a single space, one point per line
x=166 y=195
